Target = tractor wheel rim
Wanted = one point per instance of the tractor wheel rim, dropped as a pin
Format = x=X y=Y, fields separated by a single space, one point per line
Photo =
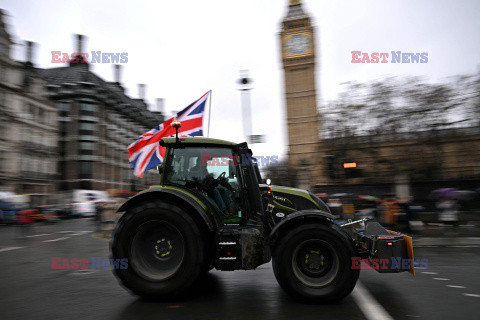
x=157 y=251
x=315 y=263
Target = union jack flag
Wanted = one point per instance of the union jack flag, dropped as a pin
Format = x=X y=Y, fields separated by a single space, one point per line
x=146 y=153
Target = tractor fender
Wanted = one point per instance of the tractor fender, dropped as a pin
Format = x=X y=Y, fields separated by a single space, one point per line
x=296 y=218
x=174 y=196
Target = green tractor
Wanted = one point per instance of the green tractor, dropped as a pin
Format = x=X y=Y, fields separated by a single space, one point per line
x=211 y=211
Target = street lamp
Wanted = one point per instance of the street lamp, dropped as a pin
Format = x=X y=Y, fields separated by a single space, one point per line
x=245 y=85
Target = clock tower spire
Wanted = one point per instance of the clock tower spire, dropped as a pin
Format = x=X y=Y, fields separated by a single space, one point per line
x=298 y=58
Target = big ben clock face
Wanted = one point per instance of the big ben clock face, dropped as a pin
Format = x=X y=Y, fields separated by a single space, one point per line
x=298 y=44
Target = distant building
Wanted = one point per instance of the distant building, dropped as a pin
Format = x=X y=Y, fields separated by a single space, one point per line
x=97 y=122
x=406 y=164
x=28 y=124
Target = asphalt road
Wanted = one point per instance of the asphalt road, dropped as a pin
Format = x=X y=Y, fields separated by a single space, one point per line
x=31 y=289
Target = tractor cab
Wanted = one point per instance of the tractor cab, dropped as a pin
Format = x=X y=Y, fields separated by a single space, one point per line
x=212 y=172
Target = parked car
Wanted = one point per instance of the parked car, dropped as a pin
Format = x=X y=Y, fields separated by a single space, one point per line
x=8 y=213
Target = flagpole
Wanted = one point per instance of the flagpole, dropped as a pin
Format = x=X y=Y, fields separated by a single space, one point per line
x=209 y=112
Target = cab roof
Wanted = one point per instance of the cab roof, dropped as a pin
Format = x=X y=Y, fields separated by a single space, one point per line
x=196 y=141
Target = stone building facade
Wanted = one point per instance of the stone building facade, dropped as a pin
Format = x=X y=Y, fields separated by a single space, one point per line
x=97 y=122
x=66 y=128
x=28 y=124
x=404 y=164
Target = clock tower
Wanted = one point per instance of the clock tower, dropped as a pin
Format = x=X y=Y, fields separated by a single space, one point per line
x=298 y=57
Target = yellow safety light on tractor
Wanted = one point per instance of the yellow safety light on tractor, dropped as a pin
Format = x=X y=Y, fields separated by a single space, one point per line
x=176 y=124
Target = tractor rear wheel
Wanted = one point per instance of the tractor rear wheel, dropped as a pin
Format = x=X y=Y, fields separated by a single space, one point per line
x=164 y=247
x=312 y=262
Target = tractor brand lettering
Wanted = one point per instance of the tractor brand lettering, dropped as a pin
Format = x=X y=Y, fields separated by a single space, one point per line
x=394 y=56
x=96 y=57
x=242 y=160
x=59 y=263
x=279 y=198
x=396 y=263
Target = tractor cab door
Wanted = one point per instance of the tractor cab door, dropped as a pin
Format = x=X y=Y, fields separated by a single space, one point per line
x=211 y=171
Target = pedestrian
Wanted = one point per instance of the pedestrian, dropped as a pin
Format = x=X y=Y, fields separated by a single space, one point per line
x=389 y=212
x=98 y=215
x=25 y=222
x=448 y=211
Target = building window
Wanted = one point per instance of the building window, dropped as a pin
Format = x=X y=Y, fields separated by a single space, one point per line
x=87 y=145
x=41 y=116
x=3 y=71
x=64 y=107
x=85 y=169
x=88 y=107
x=87 y=126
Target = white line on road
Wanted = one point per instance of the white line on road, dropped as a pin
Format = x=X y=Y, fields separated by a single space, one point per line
x=426 y=246
x=472 y=295
x=58 y=239
x=75 y=233
x=457 y=287
x=38 y=235
x=10 y=248
x=428 y=272
x=441 y=279
x=367 y=303
x=464 y=246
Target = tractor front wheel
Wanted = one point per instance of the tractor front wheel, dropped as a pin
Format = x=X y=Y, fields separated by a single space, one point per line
x=164 y=248
x=312 y=262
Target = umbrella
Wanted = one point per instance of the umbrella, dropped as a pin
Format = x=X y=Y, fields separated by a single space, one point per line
x=338 y=195
x=443 y=193
x=369 y=198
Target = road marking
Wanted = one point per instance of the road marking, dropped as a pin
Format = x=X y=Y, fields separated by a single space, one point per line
x=65 y=231
x=426 y=246
x=472 y=295
x=370 y=307
x=457 y=287
x=38 y=235
x=428 y=272
x=58 y=239
x=464 y=246
x=441 y=279
x=84 y=271
x=10 y=248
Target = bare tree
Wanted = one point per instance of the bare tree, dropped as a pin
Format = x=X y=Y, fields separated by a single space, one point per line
x=405 y=116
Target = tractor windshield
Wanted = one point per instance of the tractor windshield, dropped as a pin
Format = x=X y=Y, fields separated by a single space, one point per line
x=212 y=171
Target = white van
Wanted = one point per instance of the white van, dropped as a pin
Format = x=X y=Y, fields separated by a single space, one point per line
x=83 y=201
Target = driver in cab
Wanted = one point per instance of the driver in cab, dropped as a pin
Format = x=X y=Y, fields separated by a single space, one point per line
x=218 y=189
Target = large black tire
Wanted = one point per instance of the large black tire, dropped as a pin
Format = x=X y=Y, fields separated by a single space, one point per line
x=312 y=263
x=165 y=249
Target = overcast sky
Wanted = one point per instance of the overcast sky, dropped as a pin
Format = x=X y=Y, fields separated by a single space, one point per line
x=183 y=48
